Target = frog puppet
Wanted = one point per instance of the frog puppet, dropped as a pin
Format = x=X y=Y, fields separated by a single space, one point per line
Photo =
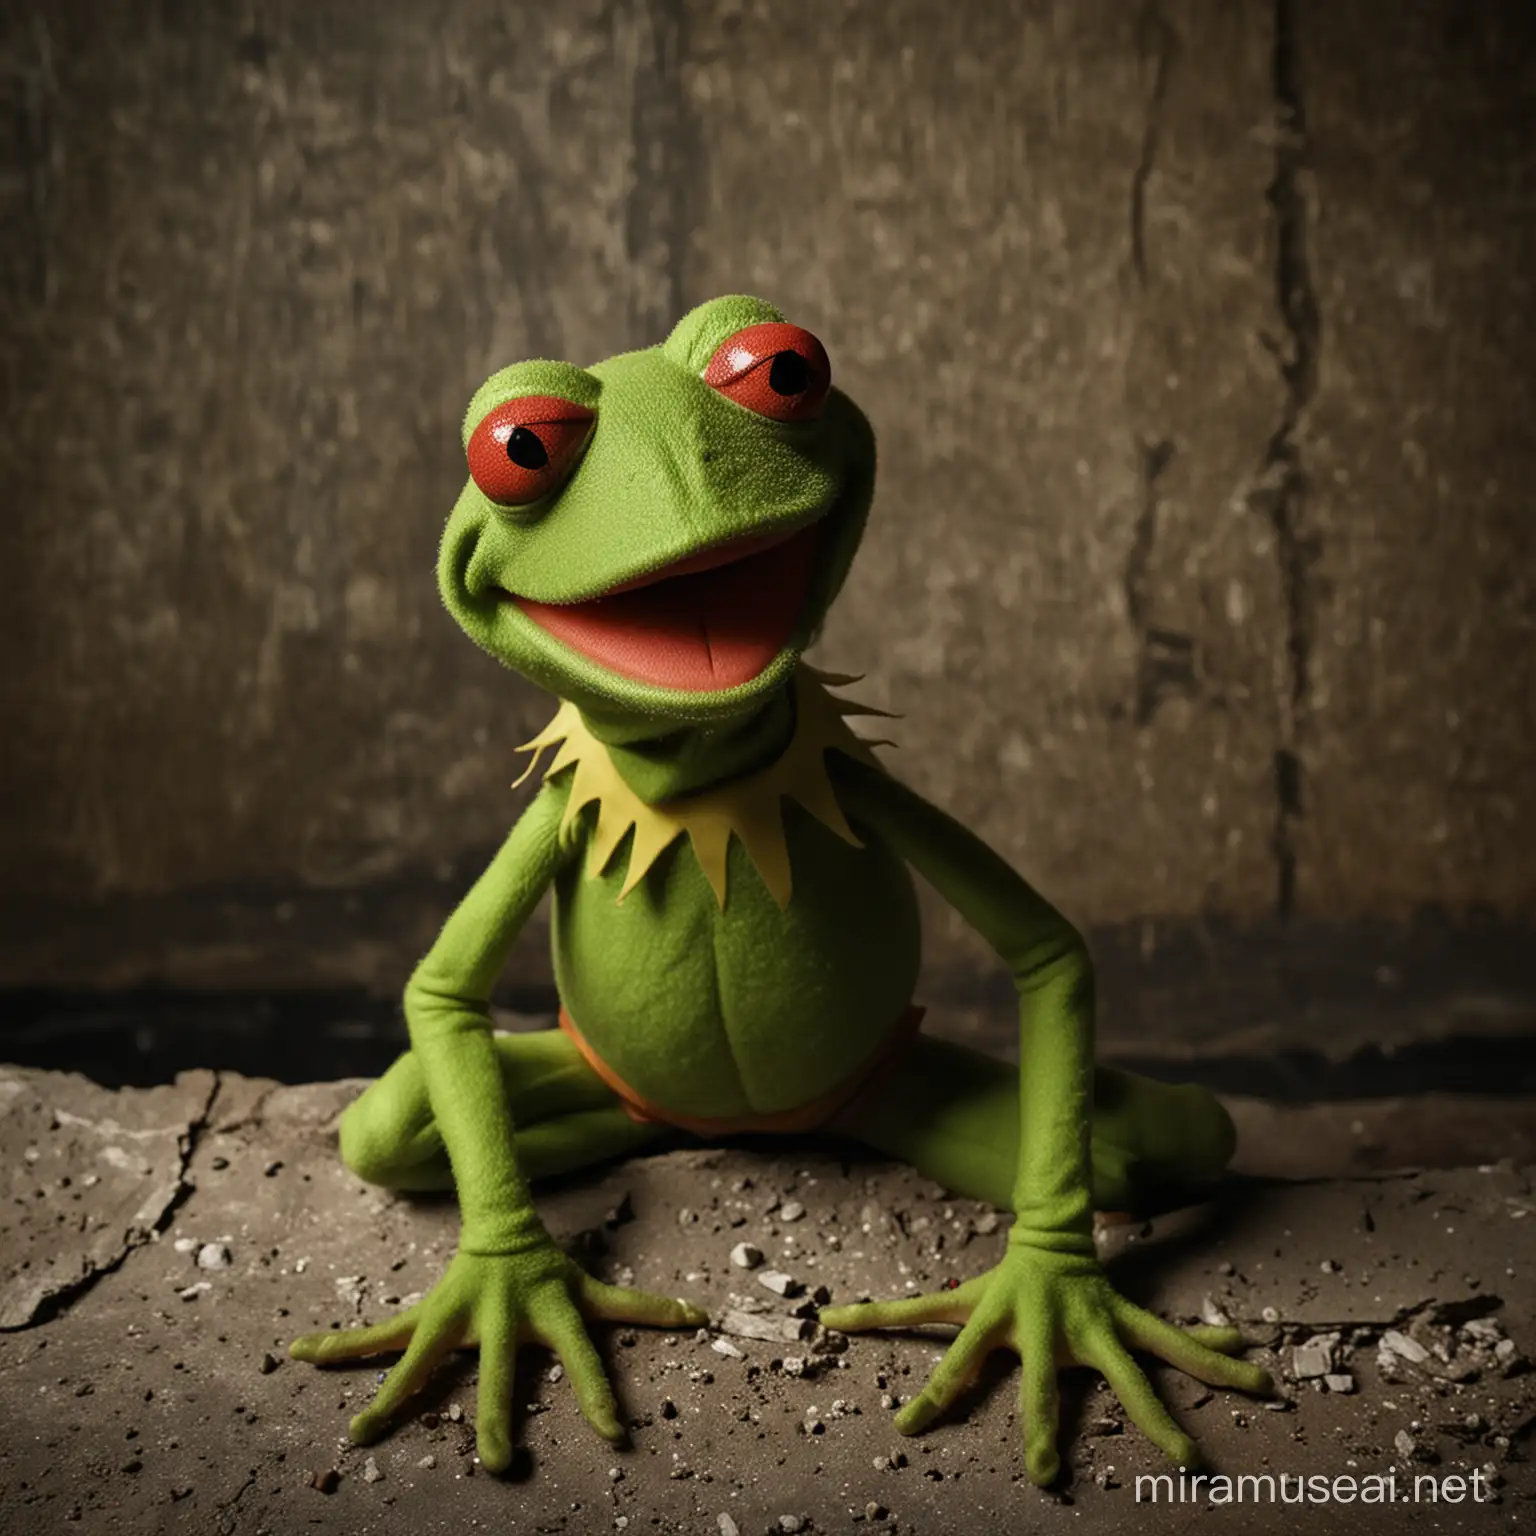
x=655 y=540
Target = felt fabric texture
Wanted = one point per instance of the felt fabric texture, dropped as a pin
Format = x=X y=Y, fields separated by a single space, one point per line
x=953 y=1114
x=704 y=1000
x=746 y=807
x=1048 y=1300
x=826 y=1110
x=759 y=963
x=447 y=1008
x=672 y=468
x=749 y=1009
x=563 y=1117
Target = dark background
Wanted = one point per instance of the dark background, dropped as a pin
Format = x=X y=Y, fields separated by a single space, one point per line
x=1197 y=337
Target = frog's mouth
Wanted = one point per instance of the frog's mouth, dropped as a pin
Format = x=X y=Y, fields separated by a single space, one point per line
x=710 y=621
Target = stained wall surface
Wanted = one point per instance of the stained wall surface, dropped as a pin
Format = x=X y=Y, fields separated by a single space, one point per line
x=1196 y=336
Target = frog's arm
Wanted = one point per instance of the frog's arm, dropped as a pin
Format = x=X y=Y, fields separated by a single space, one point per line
x=508 y=1283
x=1048 y=1299
x=447 y=1010
x=1053 y=975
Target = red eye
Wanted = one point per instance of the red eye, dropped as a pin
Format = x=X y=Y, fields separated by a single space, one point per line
x=778 y=370
x=523 y=449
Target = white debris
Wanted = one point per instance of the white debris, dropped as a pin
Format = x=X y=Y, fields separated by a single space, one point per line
x=1339 y=1381
x=773 y=1330
x=746 y=1256
x=1399 y=1344
x=1315 y=1357
x=371 y=1473
x=725 y=1347
x=1212 y=1314
x=791 y=1210
x=779 y=1283
x=728 y=1527
x=214 y=1256
x=186 y=1245
x=350 y=1288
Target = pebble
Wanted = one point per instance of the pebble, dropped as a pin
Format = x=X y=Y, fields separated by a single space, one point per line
x=1315 y=1357
x=427 y=1462
x=214 y=1256
x=725 y=1347
x=1403 y=1347
x=873 y=1511
x=269 y=1363
x=791 y=1210
x=186 y=1245
x=728 y=1527
x=327 y=1482
x=779 y=1283
x=779 y=1330
x=371 y=1473
x=1212 y=1314
x=1339 y=1381
x=455 y=1413
x=746 y=1255
x=791 y=1525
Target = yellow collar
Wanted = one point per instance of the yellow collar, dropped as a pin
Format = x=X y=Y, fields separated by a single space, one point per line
x=748 y=807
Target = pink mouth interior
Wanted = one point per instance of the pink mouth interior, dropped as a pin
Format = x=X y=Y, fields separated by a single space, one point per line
x=712 y=621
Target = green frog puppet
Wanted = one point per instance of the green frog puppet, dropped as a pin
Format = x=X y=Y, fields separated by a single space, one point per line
x=655 y=540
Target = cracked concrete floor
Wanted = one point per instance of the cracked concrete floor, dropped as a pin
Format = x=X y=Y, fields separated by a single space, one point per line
x=161 y=1246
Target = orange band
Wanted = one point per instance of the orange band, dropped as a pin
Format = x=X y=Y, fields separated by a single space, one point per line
x=820 y=1111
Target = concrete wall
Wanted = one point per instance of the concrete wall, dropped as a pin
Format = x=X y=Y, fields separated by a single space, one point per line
x=1197 y=337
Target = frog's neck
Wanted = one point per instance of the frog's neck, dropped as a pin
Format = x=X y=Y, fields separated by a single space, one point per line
x=659 y=760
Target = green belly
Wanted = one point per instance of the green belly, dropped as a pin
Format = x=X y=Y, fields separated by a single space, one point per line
x=717 y=1013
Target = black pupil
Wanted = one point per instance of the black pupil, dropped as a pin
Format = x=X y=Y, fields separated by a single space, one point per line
x=790 y=374
x=525 y=450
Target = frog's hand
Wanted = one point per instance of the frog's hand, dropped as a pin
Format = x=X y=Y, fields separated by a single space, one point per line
x=497 y=1302
x=1048 y=1297
x=1053 y=1310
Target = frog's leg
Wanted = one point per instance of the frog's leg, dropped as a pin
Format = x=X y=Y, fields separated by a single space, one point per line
x=565 y=1117
x=953 y=1114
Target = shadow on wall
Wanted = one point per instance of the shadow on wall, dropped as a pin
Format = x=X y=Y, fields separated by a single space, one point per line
x=1294 y=1017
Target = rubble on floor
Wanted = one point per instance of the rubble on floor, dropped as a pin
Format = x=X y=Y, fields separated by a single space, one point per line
x=147 y=1386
